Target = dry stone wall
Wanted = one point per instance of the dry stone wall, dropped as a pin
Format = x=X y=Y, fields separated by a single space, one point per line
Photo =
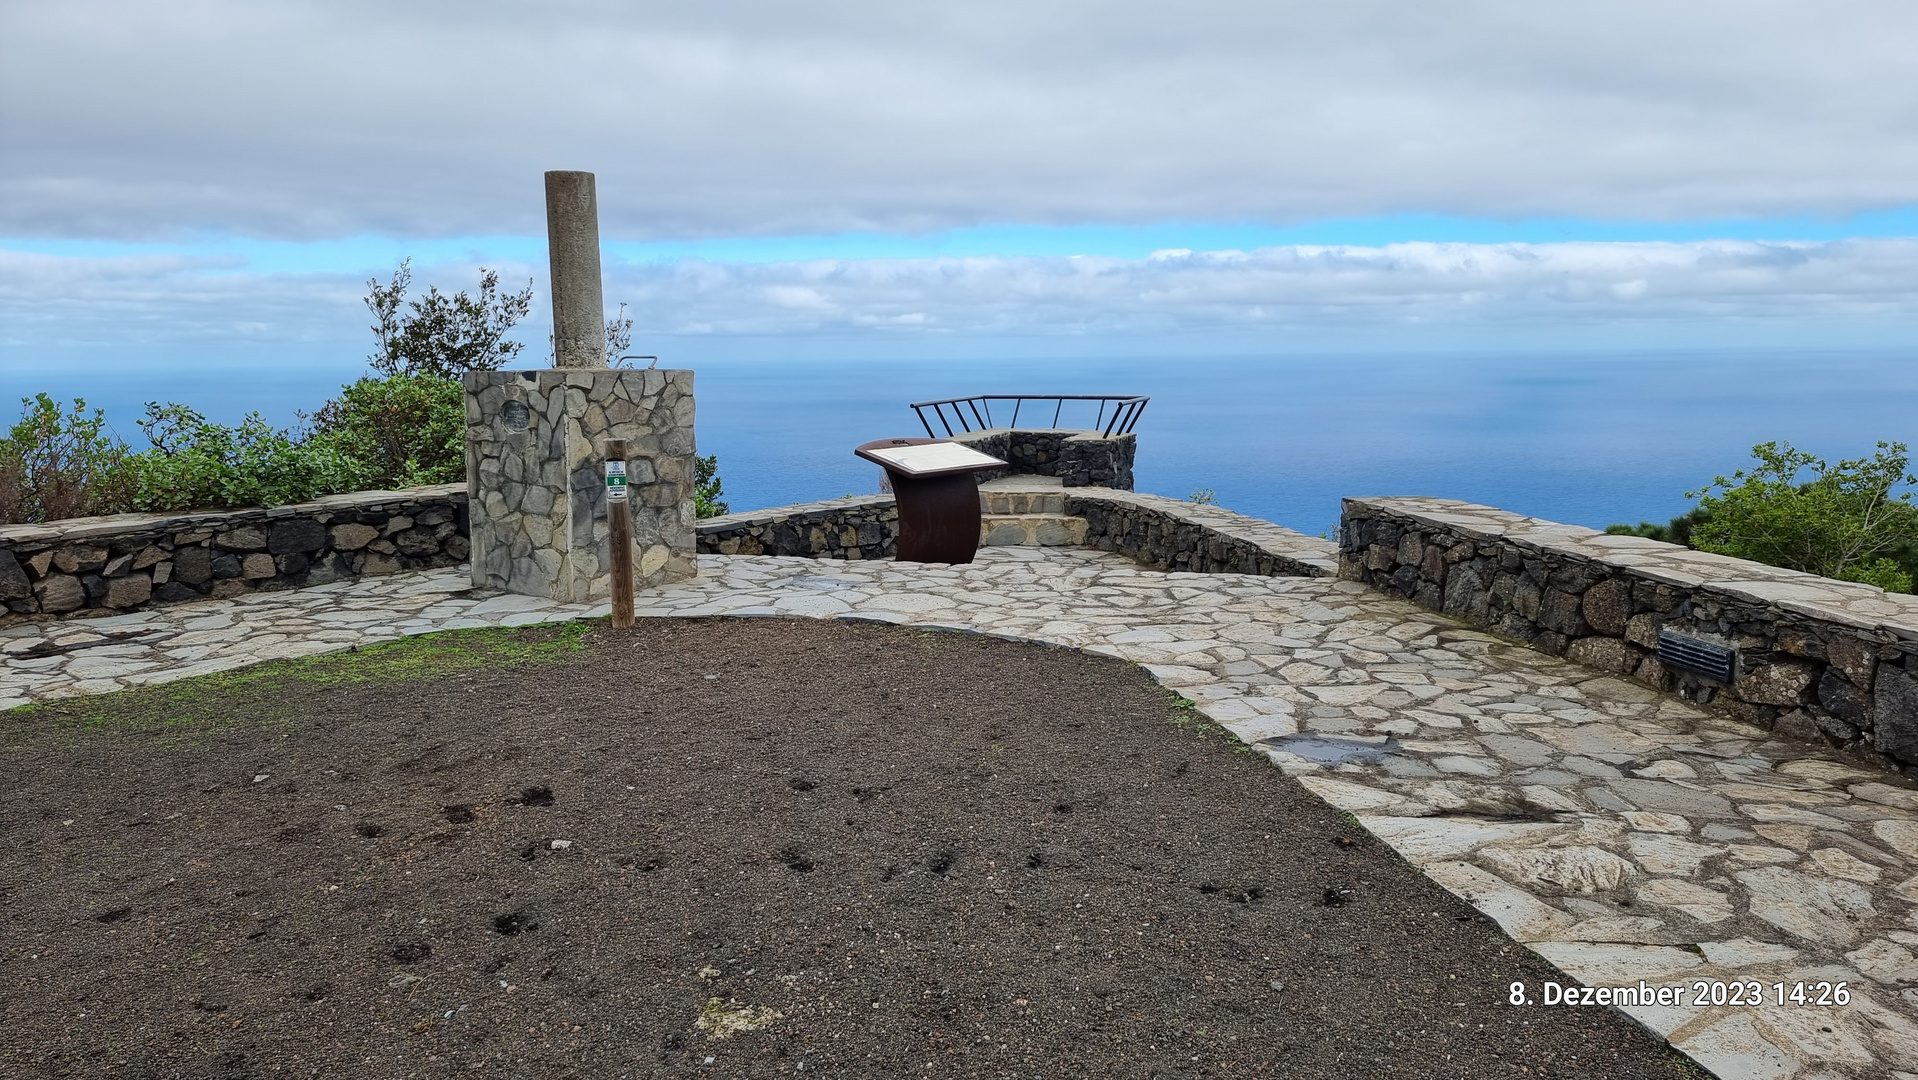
x=855 y=527
x=1816 y=659
x=1173 y=535
x=1153 y=530
x=1077 y=458
x=129 y=561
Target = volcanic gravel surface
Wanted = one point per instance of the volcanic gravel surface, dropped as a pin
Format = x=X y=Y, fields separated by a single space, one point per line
x=727 y=848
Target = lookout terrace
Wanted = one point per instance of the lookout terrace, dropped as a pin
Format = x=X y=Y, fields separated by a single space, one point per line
x=1651 y=766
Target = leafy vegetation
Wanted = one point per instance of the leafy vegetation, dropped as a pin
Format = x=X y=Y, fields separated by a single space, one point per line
x=401 y=427
x=1678 y=531
x=59 y=462
x=1792 y=509
x=401 y=431
x=707 y=488
x=196 y=463
x=441 y=335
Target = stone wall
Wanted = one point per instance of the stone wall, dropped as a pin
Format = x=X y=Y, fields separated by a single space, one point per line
x=855 y=527
x=130 y=561
x=1078 y=458
x=1153 y=530
x=1817 y=659
x=1173 y=535
x=534 y=471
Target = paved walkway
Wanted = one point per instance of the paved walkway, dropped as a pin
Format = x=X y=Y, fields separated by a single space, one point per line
x=1625 y=835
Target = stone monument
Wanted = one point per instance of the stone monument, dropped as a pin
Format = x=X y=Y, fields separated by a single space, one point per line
x=534 y=441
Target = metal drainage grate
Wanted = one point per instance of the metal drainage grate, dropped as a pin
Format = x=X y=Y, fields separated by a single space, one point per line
x=1698 y=657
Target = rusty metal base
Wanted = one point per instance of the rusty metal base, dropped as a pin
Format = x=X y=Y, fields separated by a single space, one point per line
x=938 y=517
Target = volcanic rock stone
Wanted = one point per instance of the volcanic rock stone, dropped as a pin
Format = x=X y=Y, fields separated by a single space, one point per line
x=1604 y=653
x=1894 y=721
x=1843 y=700
x=193 y=565
x=14 y=583
x=61 y=592
x=245 y=538
x=303 y=535
x=79 y=558
x=1781 y=683
x=128 y=592
x=1607 y=605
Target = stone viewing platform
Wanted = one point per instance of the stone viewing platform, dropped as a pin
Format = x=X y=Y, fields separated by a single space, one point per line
x=1151 y=529
x=1812 y=658
x=1617 y=820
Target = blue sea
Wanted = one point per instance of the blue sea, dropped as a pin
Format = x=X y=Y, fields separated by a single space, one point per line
x=1587 y=439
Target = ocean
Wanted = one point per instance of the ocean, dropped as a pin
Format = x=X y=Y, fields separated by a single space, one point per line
x=1581 y=438
x=1588 y=440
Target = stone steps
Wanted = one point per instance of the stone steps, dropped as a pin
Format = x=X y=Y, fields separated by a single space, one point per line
x=1003 y=502
x=1031 y=530
x=1027 y=511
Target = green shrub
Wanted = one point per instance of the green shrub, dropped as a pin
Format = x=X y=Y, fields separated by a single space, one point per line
x=707 y=489
x=58 y=462
x=1677 y=531
x=402 y=428
x=400 y=431
x=443 y=335
x=1846 y=521
x=196 y=464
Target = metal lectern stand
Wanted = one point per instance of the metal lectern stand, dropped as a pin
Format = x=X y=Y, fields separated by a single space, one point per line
x=938 y=495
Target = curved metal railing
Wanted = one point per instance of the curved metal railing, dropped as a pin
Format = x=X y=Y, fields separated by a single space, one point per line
x=977 y=410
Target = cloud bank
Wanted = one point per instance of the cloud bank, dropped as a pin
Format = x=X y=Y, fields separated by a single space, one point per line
x=332 y=118
x=1263 y=298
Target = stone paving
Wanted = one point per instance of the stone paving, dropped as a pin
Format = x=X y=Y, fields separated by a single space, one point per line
x=1623 y=834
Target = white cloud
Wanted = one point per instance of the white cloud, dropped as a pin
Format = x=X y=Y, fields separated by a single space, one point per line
x=334 y=117
x=1290 y=288
x=1265 y=295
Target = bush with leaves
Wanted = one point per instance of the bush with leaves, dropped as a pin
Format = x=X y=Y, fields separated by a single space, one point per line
x=442 y=335
x=60 y=462
x=1677 y=531
x=402 y=428
x=197 y=464
x=400 y=431
x=1848 y=521
x=708 y=489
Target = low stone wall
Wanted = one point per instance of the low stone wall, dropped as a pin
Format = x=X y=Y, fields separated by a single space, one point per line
x=1173 y=535
x=1155 y=531
x=855 y=527
x=1077 y=458
x=130 y=561
x=1816 y=658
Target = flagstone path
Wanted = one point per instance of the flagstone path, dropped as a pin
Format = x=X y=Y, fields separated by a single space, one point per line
x=1625 y=835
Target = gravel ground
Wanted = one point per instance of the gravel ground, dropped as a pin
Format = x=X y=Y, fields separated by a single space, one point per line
x=727 y=848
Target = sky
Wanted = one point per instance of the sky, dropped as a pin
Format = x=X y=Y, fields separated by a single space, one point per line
x=205 y=187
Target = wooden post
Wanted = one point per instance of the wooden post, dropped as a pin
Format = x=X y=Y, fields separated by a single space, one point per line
x=619 y=533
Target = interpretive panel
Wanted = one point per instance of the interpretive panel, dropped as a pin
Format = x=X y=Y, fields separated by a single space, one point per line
x=928 y=459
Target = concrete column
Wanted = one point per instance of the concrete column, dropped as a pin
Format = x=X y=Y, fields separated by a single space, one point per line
x=572 y=239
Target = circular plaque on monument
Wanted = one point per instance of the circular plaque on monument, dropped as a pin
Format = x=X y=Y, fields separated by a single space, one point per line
x=517 y=416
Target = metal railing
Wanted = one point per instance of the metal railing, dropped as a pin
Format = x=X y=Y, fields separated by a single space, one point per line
x=1124 y=411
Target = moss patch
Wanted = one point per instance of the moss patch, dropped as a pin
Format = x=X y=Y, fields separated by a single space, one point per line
x=724 y=1019
x=274 y=692
x=1185 y=716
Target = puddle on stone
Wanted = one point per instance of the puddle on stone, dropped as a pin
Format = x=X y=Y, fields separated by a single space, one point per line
x=1332 y=749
